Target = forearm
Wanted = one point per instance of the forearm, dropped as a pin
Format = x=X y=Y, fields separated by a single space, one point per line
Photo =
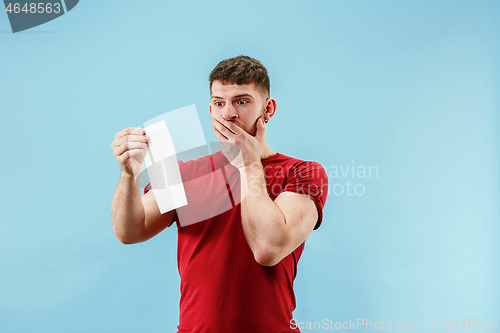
x=264 y=224
x=127 y=210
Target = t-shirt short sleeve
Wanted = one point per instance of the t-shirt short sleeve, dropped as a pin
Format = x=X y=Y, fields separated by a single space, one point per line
x=147 y=188
x=175 y=218
x=309 y=178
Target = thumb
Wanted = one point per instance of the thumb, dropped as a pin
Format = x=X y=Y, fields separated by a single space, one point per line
x=260 y=134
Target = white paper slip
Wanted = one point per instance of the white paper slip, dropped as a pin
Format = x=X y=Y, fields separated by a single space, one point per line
x=163 y=169
x=161 y=145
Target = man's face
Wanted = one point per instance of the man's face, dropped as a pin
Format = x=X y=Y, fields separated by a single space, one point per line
x=241 y=104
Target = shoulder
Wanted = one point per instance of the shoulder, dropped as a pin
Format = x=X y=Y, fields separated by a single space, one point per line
x=305 y=177
x=292 y=166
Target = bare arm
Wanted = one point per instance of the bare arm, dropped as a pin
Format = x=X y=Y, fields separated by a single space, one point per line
x=273 y=229
x=135 y=218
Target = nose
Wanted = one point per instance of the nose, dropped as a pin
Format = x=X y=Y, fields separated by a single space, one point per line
x=229 y=112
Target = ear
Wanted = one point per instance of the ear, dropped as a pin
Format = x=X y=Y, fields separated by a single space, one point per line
x=271 y=108
x=210 y=106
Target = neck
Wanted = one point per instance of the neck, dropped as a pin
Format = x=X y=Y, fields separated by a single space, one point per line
x=267 y=153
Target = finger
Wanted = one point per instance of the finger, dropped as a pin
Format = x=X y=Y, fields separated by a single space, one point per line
x=233 y=128
x=129 y=130
x=126 y=135
x=221 y=129
x=220 y=136
x=136 y=138
x=129 y=146
x=130 y=152
x=124 y=132
x=230 y=135
x=229 y=125
x=130 y=138
x=137 y=154
x=260 y=134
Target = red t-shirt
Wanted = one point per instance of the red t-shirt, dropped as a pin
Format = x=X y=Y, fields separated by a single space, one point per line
x=223 y=288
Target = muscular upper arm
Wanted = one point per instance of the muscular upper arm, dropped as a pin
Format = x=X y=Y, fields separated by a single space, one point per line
x=154 y=221
x=300 y=214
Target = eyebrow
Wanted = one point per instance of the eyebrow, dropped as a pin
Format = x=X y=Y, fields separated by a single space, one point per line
x=237 y=96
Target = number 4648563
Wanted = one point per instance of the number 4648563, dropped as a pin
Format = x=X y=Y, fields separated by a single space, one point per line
x=471 y=323
x=33 y=8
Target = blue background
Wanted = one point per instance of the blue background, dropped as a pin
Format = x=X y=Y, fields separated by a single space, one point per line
x=410 y=87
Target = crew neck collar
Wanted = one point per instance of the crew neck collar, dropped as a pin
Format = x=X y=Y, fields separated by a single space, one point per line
x=271 y=157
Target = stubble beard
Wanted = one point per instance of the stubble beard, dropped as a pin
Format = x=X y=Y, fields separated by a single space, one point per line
x=243 y=127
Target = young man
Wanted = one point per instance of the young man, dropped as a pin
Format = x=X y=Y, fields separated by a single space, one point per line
x=237 y=266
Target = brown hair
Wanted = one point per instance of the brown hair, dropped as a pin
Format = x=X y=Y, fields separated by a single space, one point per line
x=241 y=70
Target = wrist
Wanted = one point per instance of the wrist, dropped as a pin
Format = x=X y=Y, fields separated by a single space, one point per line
x=252 y=171
x=126 y=177
x=251 y=167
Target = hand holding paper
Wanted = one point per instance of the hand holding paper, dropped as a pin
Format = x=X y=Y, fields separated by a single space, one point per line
x=129 y=148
